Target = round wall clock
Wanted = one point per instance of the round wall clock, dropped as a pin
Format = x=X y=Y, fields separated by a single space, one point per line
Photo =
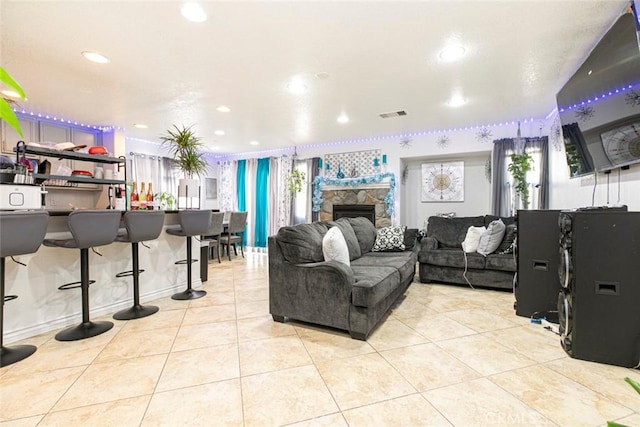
x=443 y=182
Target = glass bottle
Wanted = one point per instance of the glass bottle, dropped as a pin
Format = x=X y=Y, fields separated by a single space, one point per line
x=143 y=197
x=150 y=204
x=135 y=203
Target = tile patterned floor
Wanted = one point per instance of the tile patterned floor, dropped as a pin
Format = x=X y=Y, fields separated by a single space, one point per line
x=445 y=355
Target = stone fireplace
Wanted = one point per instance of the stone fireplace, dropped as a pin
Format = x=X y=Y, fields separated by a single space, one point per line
x=354 y=197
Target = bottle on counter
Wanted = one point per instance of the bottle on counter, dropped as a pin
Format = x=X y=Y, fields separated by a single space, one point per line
x=134 y=201
x=142 y=198
x=150 y=204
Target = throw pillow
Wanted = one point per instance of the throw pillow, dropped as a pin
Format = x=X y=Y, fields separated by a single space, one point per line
x=410 y=238
x=490 y=239
x=334 y=247
x=390 y=239
x=472 y=239
x=506 y=246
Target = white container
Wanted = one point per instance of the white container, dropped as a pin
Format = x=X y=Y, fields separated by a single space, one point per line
x=98 y=172
x=20 y=197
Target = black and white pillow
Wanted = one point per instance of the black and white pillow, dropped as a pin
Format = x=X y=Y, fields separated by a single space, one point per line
x=390 y=239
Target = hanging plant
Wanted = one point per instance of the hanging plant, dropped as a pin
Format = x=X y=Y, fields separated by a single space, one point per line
x=296 y=181
x=519 y=166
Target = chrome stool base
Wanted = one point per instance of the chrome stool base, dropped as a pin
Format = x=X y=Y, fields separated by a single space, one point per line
x=136 y=312
x=84 y=330
x=15 y=353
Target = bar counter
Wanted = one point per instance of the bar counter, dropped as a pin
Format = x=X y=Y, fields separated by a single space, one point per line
x=41 y=307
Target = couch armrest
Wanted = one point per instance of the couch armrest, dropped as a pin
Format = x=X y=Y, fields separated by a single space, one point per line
x=428 y=243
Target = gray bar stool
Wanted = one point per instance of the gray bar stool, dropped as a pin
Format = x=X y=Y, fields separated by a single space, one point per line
x=89 y=228
x=141 y=226
x=192 y=223
x=22 y=233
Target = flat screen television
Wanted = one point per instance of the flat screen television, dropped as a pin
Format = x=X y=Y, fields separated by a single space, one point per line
x=599 y=107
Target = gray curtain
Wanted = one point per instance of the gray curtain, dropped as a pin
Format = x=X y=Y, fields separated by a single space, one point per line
x=500 y=187
x=315 y=171
x=541 y=144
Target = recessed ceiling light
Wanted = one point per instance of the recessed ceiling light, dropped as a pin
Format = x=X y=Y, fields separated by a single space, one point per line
x=456 y=100
x=254 y=143
x=452 y=53
x=297 y=86
x=95 y=57
x=322 y=75
x=223 y=109
x=343 y=118
x=10 y=93
x=193 y=12
x=140 y=126
x=219 y=132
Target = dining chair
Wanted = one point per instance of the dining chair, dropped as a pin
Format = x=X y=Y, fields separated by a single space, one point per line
x=214 y=233
x=235 y=233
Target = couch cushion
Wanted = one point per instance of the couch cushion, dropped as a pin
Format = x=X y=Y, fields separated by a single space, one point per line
x=373 y=284
x=451 y=258
x=506 y=246
x=334 y=247
x=302 y=243
x=450 y=232
x=349 y=236
x=410 y=238
x=404 y=262
x=490 y=239
x=507 y=220
x=502 y=262
x=365 y=233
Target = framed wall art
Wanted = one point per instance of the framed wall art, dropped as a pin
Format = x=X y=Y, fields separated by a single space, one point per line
x=443 y=182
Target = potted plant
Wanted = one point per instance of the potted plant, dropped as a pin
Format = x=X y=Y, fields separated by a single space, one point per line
x=519 y=166
x=6 y=112
x=166 y=200
x=186 y=150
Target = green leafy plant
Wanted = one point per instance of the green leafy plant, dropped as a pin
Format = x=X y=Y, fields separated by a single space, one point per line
x=186 y=150
x=636 y=387
x=296 y=181
x=166 y=199
x=6 y=112
x=519 y=166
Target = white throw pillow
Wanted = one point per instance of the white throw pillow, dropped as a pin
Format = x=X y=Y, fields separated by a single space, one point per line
x=334 y=246
x=491 y=238
x=472 y=239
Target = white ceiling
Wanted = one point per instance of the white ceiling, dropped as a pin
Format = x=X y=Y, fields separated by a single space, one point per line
x=379 y=56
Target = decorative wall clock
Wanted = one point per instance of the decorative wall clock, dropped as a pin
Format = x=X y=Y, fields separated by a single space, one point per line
x=443 y=182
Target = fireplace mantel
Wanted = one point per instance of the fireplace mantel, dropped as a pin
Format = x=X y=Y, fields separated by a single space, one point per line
x=382 y=180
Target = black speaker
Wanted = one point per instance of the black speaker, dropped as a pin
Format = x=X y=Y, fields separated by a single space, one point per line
x=537 y=284
x=599 y=303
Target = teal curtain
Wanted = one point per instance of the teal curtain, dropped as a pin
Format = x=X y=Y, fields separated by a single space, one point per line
x=241 y=177
x=262 y=204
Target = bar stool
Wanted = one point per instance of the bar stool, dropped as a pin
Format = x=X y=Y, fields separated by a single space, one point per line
x=89 y=228
x=214 y=233
x=22 y=233
x=192 y=223
x=141 y=226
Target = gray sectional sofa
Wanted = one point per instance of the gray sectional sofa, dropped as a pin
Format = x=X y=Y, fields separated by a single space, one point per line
x=303 y=286
x=442 y=259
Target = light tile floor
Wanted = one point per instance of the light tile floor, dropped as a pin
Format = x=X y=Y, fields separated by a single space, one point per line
x=445 y=355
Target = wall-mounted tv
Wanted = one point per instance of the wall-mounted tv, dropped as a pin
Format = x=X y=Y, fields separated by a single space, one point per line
x=599 y=107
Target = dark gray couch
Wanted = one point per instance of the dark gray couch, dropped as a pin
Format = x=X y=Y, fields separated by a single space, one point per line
x=442 y=260
x=304 y=287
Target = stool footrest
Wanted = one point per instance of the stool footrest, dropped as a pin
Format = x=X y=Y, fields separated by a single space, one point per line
x=15 y=353
x=84 y=330
x=73 y=285
x=10 y=297
x=128 y=273
x=185 y=261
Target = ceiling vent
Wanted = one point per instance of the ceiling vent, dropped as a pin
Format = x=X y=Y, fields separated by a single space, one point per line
x=393 y=114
